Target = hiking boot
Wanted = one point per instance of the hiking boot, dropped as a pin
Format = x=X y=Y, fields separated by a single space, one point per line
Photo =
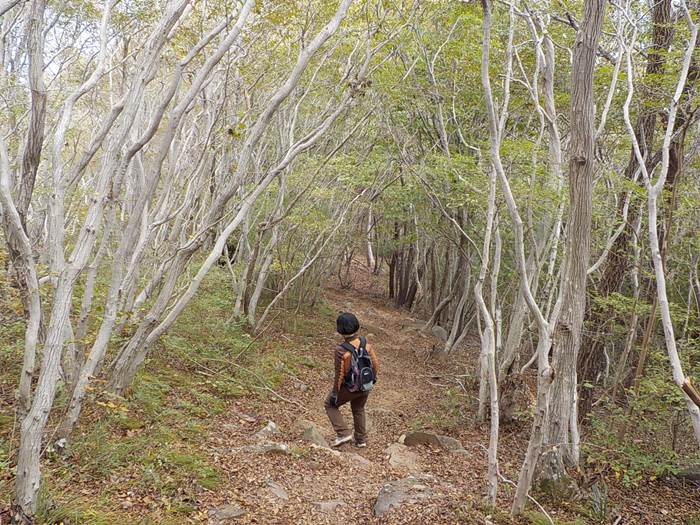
x=360 y=444
x=339 y=440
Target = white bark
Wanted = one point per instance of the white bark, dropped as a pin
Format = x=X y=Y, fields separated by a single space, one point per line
x=31 y=431
x=6 y=5
x=371 y=262
x=488 y=347
x=132 y=355
x=544 y=327
x=31 y=334
x=116 y=296
x=654 y=191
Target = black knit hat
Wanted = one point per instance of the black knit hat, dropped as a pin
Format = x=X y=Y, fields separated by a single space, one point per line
x=347 y=324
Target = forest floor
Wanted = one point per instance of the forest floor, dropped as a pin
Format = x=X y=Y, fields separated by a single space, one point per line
x=185 y=446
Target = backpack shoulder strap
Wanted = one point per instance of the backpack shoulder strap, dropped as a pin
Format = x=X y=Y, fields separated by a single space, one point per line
x=347 y=346
x=362 y=350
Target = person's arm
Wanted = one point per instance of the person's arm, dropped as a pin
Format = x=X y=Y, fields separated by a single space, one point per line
x=340 y=369
x=375 y=361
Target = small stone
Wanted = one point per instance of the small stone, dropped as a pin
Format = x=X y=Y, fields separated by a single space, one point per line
x=277 y=490
x=402 y=439
x=329 y=506
x=310 y=433
x=413 y=439
x=270 y=429
x=451 y=444
x=439 y=332
x=227 y=512
x=398 y=492
x=401 y=457
x=428 y=438
x=247 y=418
x=268 y=447
x=360 y=461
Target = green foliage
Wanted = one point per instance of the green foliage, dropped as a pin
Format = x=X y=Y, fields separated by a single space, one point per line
x=631 y=460
x=599 y=503
x=450 y=415
x=151 y=444
x=95 y=510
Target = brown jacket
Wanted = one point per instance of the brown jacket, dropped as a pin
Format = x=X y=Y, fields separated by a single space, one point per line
x=342 y=361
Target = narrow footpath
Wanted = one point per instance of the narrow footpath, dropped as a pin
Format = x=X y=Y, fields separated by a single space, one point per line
x=283 y=472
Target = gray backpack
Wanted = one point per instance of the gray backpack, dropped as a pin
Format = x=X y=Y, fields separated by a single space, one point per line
x=360 y=376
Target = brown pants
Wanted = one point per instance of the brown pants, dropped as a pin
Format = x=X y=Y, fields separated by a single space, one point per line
x=357 y=403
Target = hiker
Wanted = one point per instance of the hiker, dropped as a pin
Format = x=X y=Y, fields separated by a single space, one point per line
x=356 y=368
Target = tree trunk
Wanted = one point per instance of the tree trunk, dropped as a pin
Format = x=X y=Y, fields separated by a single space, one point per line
x=135 y=350
x=591 y=358
x=562 y=427
x=32 y=427
x=488 y=384
x=654 y=191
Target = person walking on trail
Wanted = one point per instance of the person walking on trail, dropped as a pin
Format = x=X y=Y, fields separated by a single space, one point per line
x=356 y=368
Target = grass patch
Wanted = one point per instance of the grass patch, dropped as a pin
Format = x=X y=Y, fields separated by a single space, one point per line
x=151 y=446
x=448 y=417
x=95 y=511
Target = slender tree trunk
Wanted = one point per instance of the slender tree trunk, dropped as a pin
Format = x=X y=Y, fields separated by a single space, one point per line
x=135 y=350
x=31 y=157
x=562 y=437
x=488 y=348
x=14 y=230
x=591 y=359
x=544 y=327
x=371 y=261
x=654 y=191
x=32 y=427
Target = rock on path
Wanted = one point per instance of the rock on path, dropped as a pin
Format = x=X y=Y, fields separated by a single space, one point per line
x=329 y=506
x=225 y=513
x=310 y=433
x=396 y=493
x=401 y=457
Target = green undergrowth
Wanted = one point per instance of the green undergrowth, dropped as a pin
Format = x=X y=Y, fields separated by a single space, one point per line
x=450 y=416
x=651 y=436
x=143 y=458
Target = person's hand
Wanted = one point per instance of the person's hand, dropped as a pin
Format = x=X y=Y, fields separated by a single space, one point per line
x=334 y=399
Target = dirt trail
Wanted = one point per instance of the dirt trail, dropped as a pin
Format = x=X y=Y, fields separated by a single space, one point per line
x=406 y=396
x=412 y=393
